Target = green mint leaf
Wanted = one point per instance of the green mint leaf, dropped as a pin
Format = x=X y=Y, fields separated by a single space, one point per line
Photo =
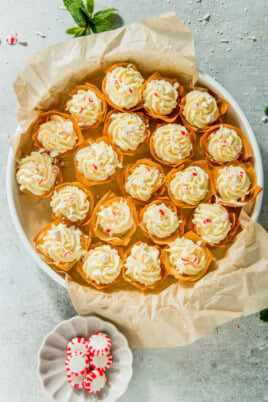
x=103 y=14
x=266 y=110
x=264 y=315
x=90 y=6
x=100 y=25
x=75 y=8
x=75 y=31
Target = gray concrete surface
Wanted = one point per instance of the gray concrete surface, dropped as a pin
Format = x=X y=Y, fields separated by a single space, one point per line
x=229 y=364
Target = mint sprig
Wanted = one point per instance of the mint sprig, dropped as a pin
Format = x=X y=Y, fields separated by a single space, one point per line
x=82 y=13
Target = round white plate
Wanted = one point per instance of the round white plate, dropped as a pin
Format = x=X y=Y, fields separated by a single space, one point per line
x=52 y=356
x=205 y=80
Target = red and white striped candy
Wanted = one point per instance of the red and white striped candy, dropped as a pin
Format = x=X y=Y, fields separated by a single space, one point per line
x=76 y=381
x=102 y=362
x=95 y=381
x=77 y=364
x=77 y=345
x=12 y=39
x=99 y=343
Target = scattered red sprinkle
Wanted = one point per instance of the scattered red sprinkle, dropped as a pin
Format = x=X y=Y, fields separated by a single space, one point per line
x=161 y=212
x=238 y=153
x=155 y=94
x=95 y=167
x=206 y=221
x=67 y=253
x=130 y=90
x=194 y=174
x=108 y=230
x=90 y=100
x=183 y=132
x=41 y=181
x=238 y=326
x=81 y=110
x=116 y=82
x=148 y=169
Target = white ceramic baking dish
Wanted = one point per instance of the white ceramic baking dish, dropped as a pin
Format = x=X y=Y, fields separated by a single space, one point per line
x=205 y=80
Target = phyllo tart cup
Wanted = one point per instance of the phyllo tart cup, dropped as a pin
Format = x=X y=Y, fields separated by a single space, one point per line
x=61 y=245
x=97 y=162
x=223 y=143
x=87 y=105
x=73 y=203
x=37 y=175
x=187 y=258
x=58 y=133
x=114 y=220
x=200 y=108
x=214 y=223
x=190 y=184
x=124 y=82
x=128 y=131
x=142 y=181
x=235 y=184
x=143 y=266
x=162 y=221
x=101 y=267
x=172 y=144
x=153 y=89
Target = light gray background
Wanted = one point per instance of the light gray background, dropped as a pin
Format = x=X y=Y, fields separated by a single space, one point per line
x=229 y=364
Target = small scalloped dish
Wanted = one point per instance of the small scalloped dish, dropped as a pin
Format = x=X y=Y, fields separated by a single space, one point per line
x=235 y=223
x=128 y=170
x=52 y=355
x=117 y=239
x=200 y=163
x=106 y=96
x=91 y=282
x=45 y=117
x=250 y=195
x=204 y=140
x=175 y=113
x=183 y=277
x=178 y=232
x=137 y=284
x=90 y=199
x=80 y=177
x=107 y=133
x=222 y=104
x=85 y=242
x=101 y=117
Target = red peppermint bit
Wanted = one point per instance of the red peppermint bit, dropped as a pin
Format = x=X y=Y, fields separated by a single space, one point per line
x=114 y=213
x=90 y=100
x=95 y=167
x=148 y=170
x=194 y=174
x=238 y=326
x=195 y=259
x=155 y=94
x=108 y=230
x=116 y=82
x=241 y=173
x=130 y=90
x=40 y=181
x=67 y=253
x=81 y=110
x=238 y=153
x=183 y=132
x=161 y=212
x=206 y=221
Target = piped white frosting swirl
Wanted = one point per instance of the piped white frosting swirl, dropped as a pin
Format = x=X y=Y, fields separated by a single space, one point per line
x=36 y=173
x=232 y=183
x=160 y=96
x=62 y=244
x=190 y=185
x=102 y=264
x=212 y=222
x=186 y=257
x=172 y=143
x=127 y=130
x=70 y=202
x=224 y=145
x=123 y=86
x=98 y=161
x=200 y=109
x=116 y=218
x=143 y=264
x=160 y=220
x=86 y=107
x=143 y=181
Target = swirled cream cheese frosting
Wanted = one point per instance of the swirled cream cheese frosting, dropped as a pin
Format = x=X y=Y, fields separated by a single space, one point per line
x=200 y=109
x=98 y=161
x=57 y=134
x=36 y=173
x=211 y=222
x=143 y=264
x=70 y=202
x=190 y=185
x=186 y=257
x=127 y=130
x=143 y=181
x=115 y=219
x=232 y=183
x=160 y=220
x=102 y=264
x=172 y=143
x=224 y=145
x=160 y=96
x=123 y=86
x=86 y=107
x=62 y=244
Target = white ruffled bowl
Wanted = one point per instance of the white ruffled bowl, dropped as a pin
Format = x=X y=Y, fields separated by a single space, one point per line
x=52 y=356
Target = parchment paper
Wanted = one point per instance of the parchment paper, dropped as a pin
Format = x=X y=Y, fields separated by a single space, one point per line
x=174 y=314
